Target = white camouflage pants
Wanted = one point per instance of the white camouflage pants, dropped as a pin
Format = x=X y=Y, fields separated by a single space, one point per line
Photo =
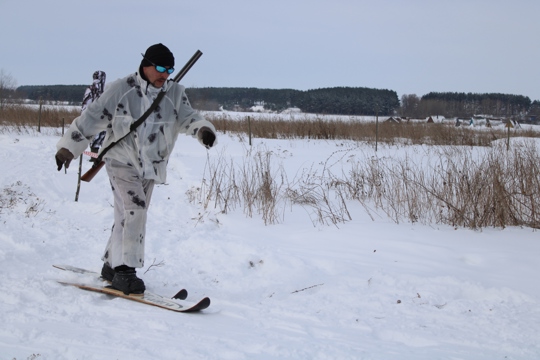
x=131 y=201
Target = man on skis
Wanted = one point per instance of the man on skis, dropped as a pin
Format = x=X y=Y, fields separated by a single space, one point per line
x=140 y=160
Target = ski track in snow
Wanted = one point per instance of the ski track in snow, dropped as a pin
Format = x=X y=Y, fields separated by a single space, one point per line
x=366 y=290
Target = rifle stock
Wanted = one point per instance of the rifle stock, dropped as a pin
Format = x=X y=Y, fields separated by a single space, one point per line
x=89 y=175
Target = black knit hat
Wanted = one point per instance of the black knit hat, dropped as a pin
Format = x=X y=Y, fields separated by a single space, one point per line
x=158 y=54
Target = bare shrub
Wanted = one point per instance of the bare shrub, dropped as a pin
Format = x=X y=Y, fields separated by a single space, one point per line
x=260 y=185
x=321 y=195
x=498 y=189
x=254 y=184
x=460 y=188
x=19 y=197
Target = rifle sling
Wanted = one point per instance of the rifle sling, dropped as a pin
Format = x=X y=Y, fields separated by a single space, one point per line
x=133 y=126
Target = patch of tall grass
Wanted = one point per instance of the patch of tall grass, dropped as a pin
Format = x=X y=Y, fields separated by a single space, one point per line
x=466 y=177
x=453 y=185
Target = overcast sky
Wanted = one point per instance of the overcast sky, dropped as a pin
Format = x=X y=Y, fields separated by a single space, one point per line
x=409 y=46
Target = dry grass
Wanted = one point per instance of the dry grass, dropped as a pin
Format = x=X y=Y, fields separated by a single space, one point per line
x=30 y=116
x=452 y=185
x=477 y=185
x=253 y=185
x=326 y=128
x=496 y=188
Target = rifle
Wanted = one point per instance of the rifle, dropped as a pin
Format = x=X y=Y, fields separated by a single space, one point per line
x=89 y=175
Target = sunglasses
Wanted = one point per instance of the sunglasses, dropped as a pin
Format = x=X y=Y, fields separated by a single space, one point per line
x=159 y=68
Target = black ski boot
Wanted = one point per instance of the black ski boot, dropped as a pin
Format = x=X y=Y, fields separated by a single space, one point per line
x=125 y=279
x=107 y=272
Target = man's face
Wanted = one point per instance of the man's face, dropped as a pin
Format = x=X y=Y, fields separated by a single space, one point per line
x=154 y=77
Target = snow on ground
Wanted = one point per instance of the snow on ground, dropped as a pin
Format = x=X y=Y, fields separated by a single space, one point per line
x=368 y=289
x=291 y=114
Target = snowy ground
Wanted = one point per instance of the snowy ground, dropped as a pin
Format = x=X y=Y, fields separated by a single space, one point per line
x=370 y=289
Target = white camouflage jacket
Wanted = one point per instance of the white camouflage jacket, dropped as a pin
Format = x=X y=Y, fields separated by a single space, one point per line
x=149 y=147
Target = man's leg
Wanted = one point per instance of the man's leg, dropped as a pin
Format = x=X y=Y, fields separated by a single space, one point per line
x=132 y=196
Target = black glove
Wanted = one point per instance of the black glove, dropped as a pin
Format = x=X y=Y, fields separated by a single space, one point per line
x=63 y=157
x=208 y=137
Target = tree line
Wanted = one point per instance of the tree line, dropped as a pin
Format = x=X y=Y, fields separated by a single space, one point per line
x=72 y=94
x=454 y=104
x=337 y=100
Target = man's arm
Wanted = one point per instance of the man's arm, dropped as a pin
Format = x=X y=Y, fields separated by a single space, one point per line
x=194 y=124
x=95 y=118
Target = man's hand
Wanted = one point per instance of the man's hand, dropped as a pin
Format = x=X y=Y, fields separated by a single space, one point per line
x=208 y=137
x=63 y=157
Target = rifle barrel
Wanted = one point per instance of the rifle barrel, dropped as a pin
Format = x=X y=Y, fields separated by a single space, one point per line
x=188 y=66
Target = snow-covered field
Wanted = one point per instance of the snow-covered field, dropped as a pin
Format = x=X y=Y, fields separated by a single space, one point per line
x=368 y=289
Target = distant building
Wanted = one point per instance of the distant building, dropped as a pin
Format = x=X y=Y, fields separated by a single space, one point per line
x=393 y=120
